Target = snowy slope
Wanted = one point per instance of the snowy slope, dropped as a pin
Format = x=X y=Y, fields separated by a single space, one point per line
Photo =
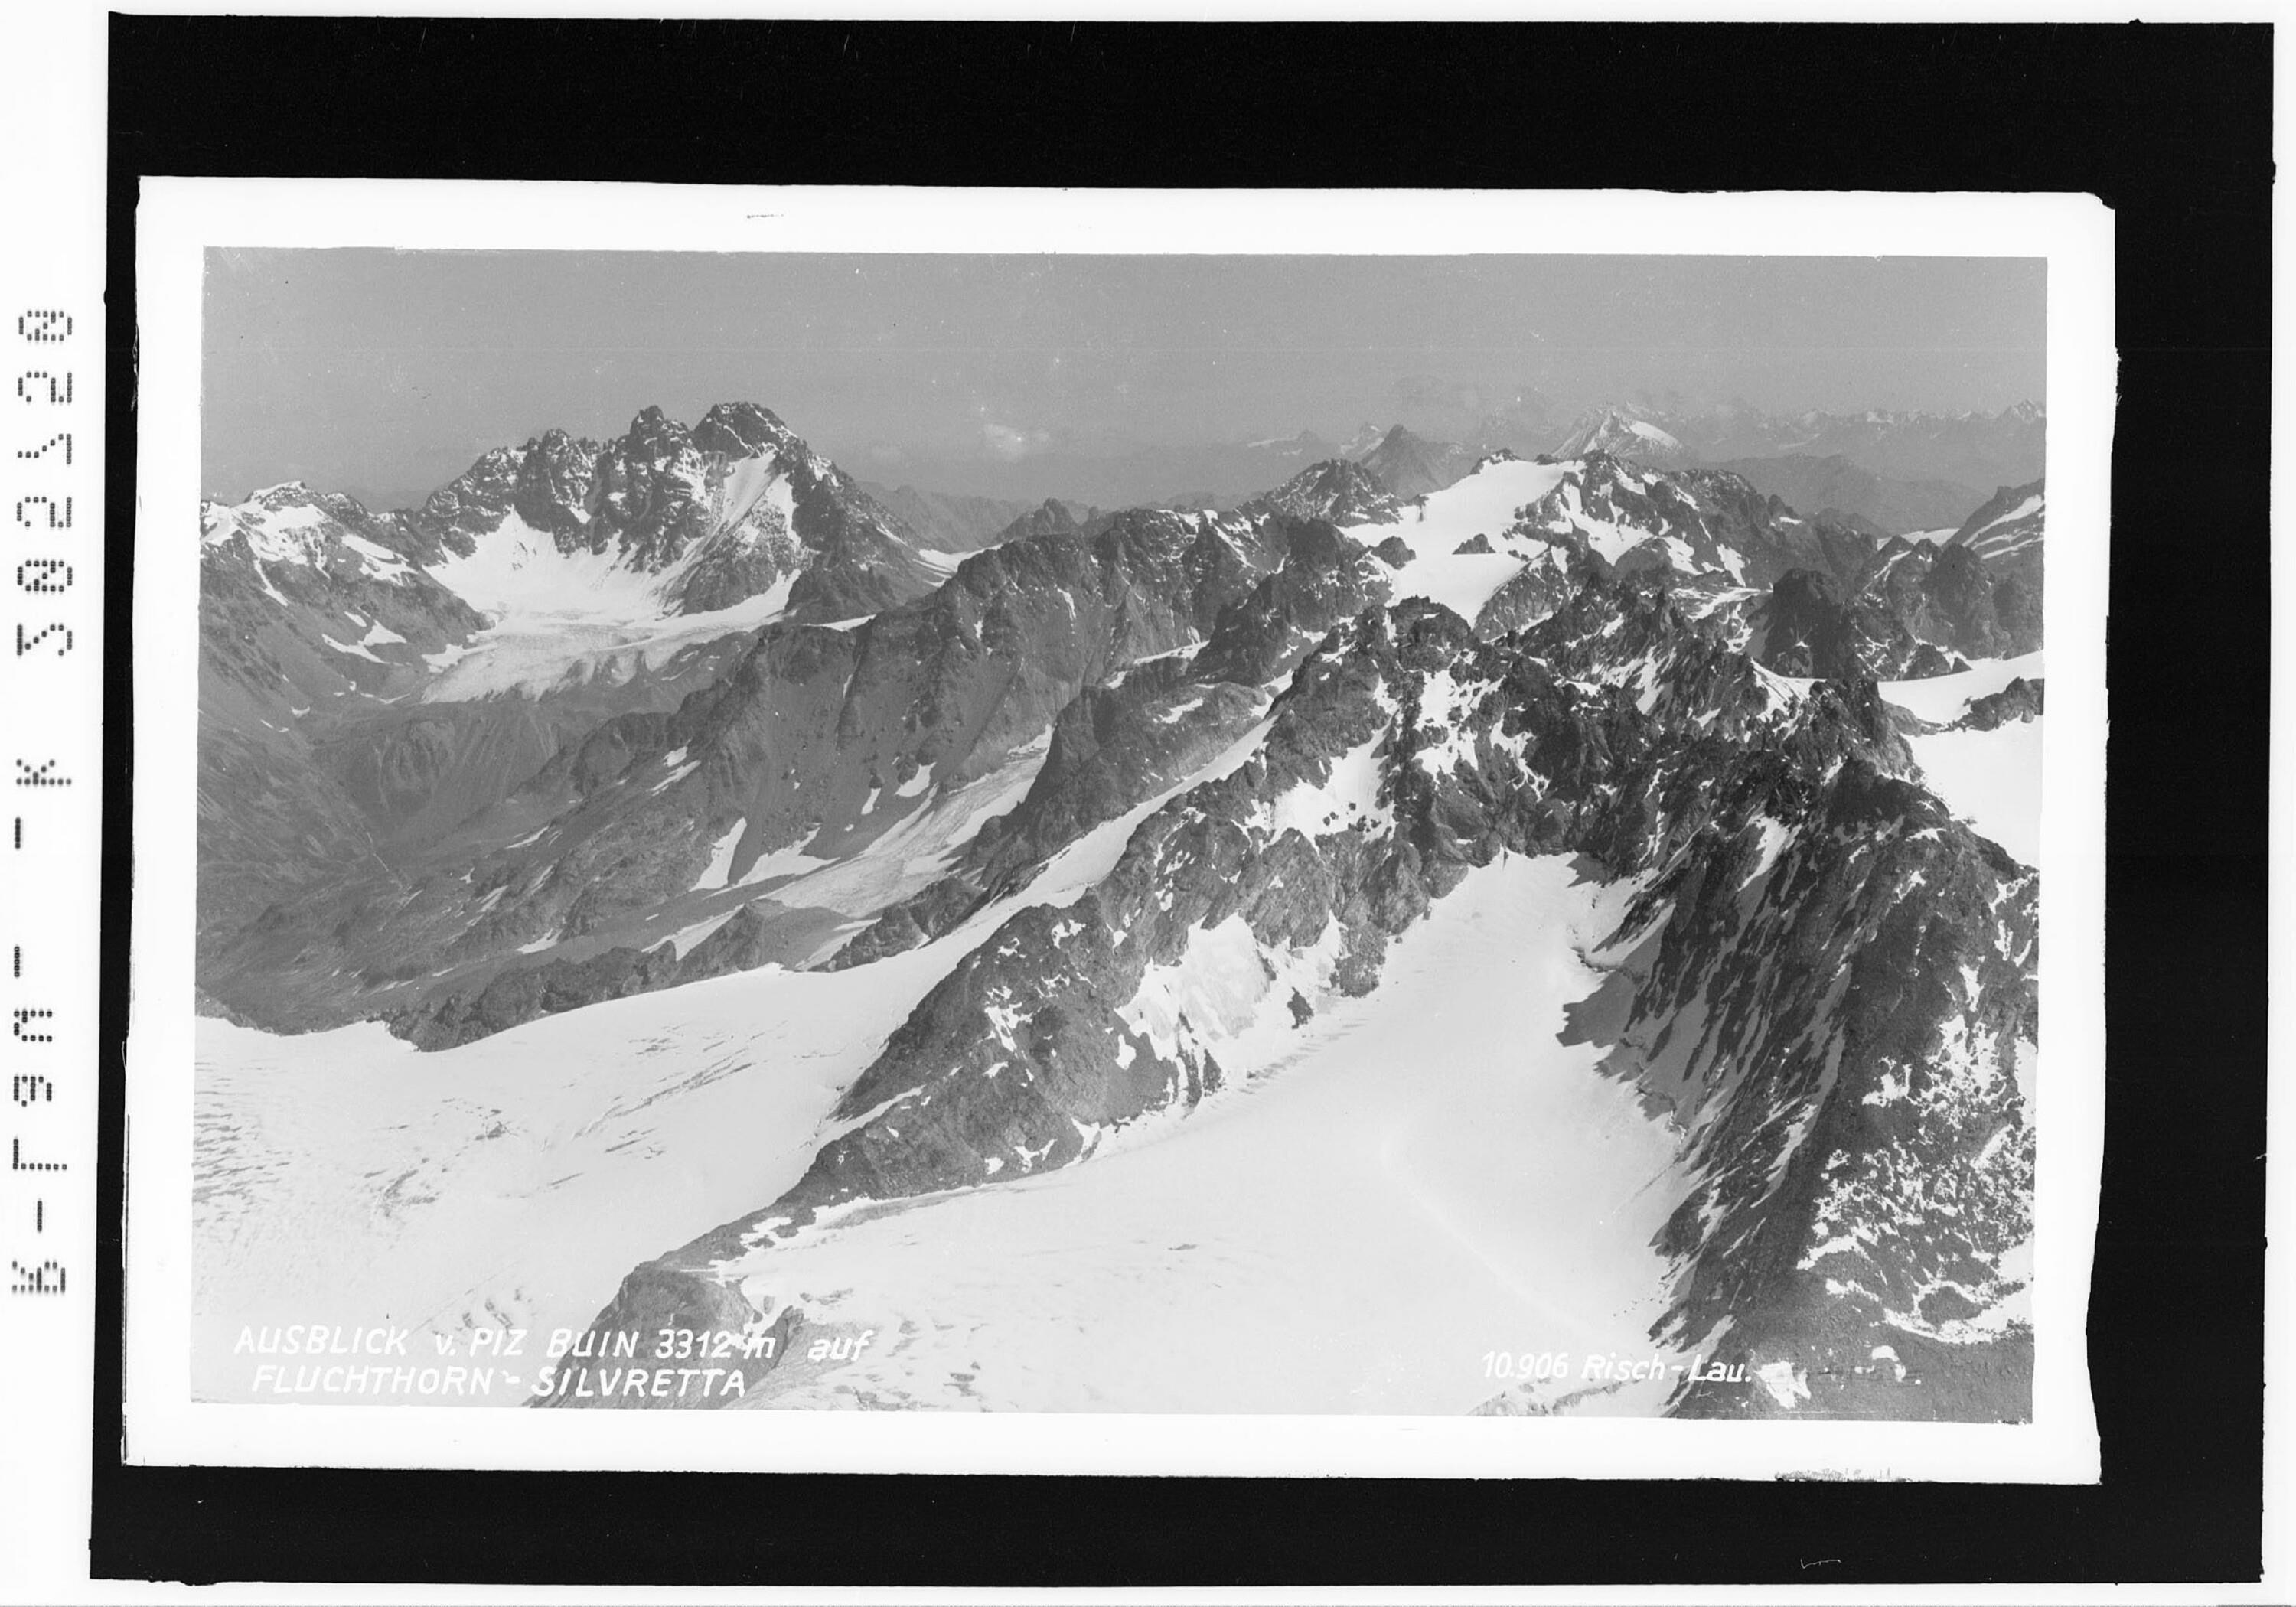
x=515 y=571
x=511 y=1182
x=1992 y=779
x=556 y=615
x=1349 y=1231
x=1996 y=530
x=346 y=1178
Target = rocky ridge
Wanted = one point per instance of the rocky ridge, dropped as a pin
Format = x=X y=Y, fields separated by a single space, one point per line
x=554 y=852
x=816 y=744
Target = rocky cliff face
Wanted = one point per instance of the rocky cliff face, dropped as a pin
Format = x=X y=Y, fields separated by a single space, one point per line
x=304 y=595
x=1759 y=820
x=2005 y=534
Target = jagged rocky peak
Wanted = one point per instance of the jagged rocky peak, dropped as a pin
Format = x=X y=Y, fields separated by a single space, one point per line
x=547 y=482
x=718 y=513
x=289 y=520
x=1335 y=490
x=555 y=473
x=558 y=482
x=741 y=428
x=737 y=430
x=651 y=483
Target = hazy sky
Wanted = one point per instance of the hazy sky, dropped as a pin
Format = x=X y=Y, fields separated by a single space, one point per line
x=386 y=372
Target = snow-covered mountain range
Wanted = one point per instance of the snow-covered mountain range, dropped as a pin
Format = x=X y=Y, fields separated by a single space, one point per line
x=1078 y=904
x=1900 y=471
x=1903 y=471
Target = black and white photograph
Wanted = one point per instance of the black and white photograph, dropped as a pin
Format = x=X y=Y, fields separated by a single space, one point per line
x=1352 y=834
x=946 y=808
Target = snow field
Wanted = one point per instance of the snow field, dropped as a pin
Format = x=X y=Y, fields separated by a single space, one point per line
x=533 y=652
x=515 y=569
x=1991 y=539
x=1219 y=996
x=1483 y=503
x=1349 y=1232
x=1350 y=797
x=1992 y=779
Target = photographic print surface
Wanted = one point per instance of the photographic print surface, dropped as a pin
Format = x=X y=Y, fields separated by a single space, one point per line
x=1444 y=836
x=689 y=924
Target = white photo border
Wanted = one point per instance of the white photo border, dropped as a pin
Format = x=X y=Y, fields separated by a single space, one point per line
x=178 y=220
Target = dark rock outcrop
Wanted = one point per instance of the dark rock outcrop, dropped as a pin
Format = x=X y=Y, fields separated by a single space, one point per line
x=2020 y=700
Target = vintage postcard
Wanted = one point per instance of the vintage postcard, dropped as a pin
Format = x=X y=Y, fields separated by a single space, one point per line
x=1341 y=832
